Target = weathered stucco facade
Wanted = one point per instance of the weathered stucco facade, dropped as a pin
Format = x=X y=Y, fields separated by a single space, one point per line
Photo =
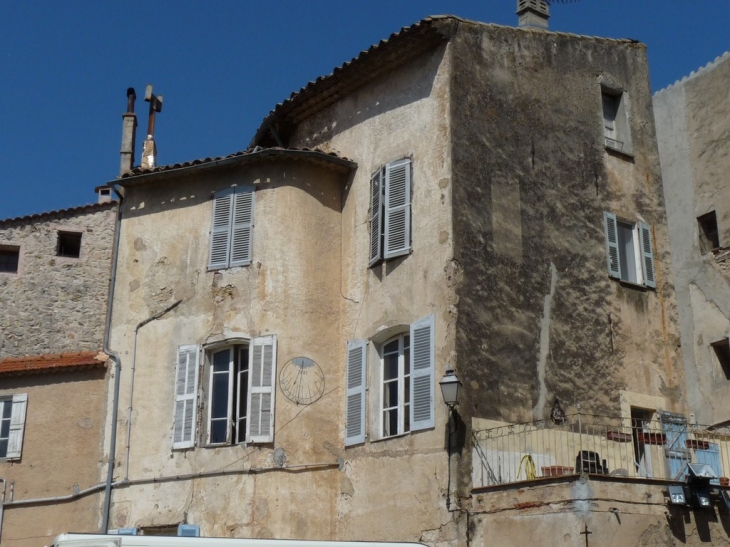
x=53 y=296
x=693 y=121
x=516 y=179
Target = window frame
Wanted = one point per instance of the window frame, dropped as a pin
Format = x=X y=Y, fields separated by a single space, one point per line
x=402 y=380
x=615 y=109
x=236 y=353
x=642 y=243
x=18 y=404
x=60 y=234
x=231 y=228
x=8 y=248
x=390 y=214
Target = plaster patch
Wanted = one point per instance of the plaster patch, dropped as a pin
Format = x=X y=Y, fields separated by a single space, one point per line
x=582 y=495
x=539 y=410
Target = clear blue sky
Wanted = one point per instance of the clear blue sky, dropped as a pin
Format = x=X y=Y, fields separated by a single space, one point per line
x=222 y=66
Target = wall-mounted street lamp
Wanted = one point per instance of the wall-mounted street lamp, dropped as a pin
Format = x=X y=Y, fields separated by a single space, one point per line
x=450 y=385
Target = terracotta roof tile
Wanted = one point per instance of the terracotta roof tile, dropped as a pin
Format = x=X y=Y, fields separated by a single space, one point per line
x=48 y=363
x=60 y=212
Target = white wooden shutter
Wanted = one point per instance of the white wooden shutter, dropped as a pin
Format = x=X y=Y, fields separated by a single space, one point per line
x=356 y=369
x=612 y=255
x=647 y=255
x=220 y=232
x=397 y=208
x=242 y=230
x=422 y=373
x=609 y=116
x=376 y=217
x=262 y=373
x=17 y=426
x=186 y=389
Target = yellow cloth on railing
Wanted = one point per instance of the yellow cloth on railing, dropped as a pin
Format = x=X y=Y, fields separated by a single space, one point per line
x=530 y=469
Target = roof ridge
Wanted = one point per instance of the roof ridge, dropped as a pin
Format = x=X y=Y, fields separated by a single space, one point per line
x=56 y=212
x=695 y=73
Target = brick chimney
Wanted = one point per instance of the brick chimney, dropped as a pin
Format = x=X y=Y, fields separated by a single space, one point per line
x=533 y=14
x=129 y=132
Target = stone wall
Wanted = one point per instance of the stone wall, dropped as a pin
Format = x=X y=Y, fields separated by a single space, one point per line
x=56 y=304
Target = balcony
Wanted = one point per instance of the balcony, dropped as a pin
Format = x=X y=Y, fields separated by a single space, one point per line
x=598 y=445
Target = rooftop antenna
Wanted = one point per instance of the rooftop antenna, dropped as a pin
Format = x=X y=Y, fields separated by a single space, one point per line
x=149 y=149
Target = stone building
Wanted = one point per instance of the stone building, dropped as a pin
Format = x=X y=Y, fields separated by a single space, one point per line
x=460 y=196
x=54 y=278
x=693 y=124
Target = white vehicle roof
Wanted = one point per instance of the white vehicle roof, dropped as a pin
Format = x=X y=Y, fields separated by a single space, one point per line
x=100 y=540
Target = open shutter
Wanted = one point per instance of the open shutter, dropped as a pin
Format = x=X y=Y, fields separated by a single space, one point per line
x=262 y=372
x=221 y=229
x=611 y=233
x=422 y=373
x=186 y=388
x=355 y=398
x=397 y=208
x=17 y=426
x=188 y=530
x=376 y=217
x=647 y=255
x=242 y=231
x=609 y=115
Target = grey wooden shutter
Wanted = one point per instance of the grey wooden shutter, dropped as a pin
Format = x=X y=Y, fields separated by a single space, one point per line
x=356 y=369
x=376 y=217
x=220 y=231
x=242 y=230
x=17 y=426
x=188 y=530
x=261 y=376
x=609 y=115
x=186 y=389
x=397 y=208
x=422 y=373
x=612 y=256
x=647 y=254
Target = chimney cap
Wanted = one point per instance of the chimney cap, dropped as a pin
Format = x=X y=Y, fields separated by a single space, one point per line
x=533 y=13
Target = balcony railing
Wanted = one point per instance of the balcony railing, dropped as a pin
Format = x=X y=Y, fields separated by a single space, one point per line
x=605 y=445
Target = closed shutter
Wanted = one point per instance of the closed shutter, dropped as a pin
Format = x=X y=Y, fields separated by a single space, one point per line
x=186 y=389
x=221 y=229
x=241 y=233
x=647 y=255
x=188 y=530
x=356 y=368
x=397 y=208
x=422 y=373
x=262 y=372
x=609 y=116
x=17 y=426
x=376 y=217
x=612 y=256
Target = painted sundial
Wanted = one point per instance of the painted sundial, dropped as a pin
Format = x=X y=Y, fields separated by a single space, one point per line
x=302 y=381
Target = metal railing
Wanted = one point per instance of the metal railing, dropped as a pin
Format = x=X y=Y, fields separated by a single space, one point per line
x=622 y=447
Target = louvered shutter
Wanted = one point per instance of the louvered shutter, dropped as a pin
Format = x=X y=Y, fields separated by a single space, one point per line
x=242 y=230
x=647 y=255
x=397 y=208
x=422 y=373
x=188 y=530
x=186 y=389
x=262 y=372
x=356 y=369
x=609 y=116
x=612 y=256
x=17 y=426
x=220 y=231
x=376 y=217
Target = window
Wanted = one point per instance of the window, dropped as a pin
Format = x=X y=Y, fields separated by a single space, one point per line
x=616 y=120
x=12 y=425
x=239 y=393
x=390 y=211
x=721 y=349
x=709 y=235
x=69 y=244
x=9 y=258
x=231 y=228
x=404 y=384
x=629 y=251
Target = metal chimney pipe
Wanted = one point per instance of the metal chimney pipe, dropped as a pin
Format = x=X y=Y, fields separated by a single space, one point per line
x=129 y=133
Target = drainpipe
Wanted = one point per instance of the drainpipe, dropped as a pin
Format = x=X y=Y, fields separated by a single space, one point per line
x=2 y=507
x=131 y=381
x=117 y=368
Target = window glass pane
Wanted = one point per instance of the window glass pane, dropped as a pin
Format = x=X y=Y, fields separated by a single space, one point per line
x=390 y=366
x=221 y=360
x=390 y=422
x=5 y=429
x=406 y=361
x=407 y=389
x=3 y=448
x=406 y=419
x=219 y=397
x=626 y=249
x=218 y=431
x=9 y=260
x=7 y=408
x=390 y=394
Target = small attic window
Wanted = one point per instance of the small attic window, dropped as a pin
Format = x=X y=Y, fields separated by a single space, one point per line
x=722 y=356
x=69 y=244
x=709 y=235
x=9 y=258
